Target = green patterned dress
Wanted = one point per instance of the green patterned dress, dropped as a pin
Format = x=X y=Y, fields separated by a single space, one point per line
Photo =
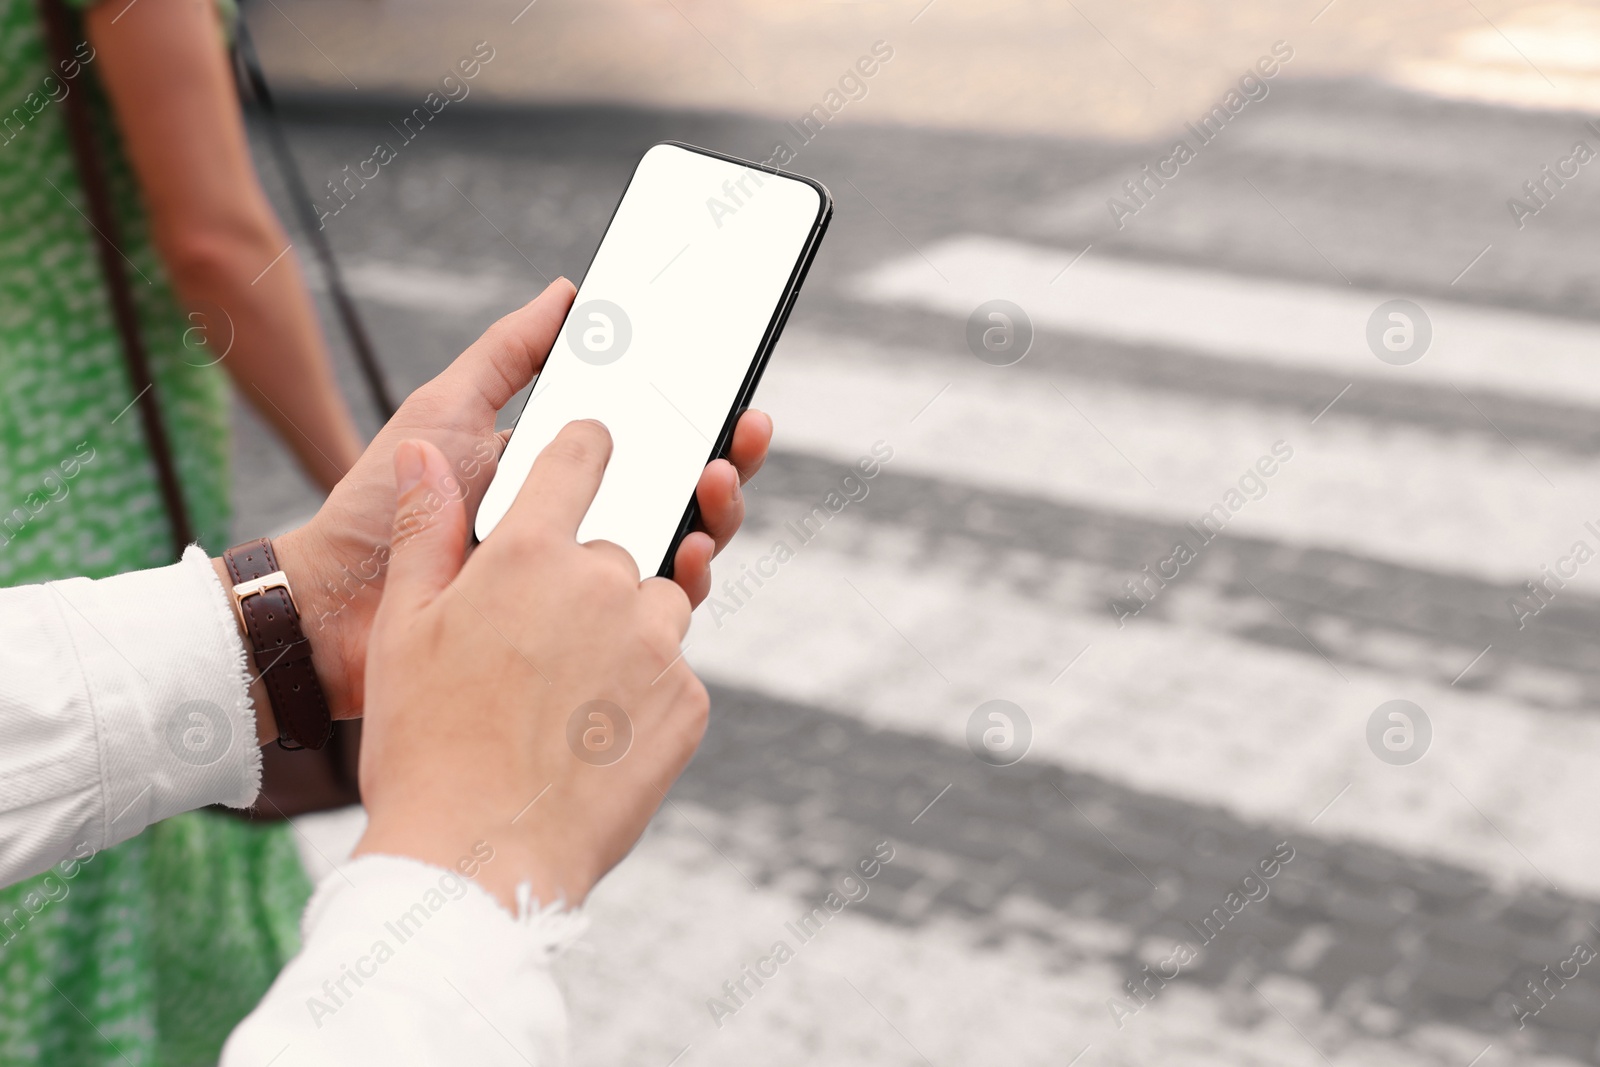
x=160 y=945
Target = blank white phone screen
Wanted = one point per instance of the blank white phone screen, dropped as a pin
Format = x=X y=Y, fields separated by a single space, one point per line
x=663 y=330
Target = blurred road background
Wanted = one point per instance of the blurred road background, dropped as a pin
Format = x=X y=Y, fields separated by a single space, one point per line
x=1227 y=314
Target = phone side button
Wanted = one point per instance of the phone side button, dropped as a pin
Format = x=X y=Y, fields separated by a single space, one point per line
x=788 y=306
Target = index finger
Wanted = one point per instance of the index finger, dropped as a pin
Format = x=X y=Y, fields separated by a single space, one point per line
x=564 y=479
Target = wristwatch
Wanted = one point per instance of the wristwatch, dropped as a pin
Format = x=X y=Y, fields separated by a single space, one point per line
x=265 y=605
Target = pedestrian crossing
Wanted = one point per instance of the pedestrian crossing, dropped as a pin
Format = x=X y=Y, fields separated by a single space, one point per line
x=898 y=622
x=983 y=562
x=908 y=621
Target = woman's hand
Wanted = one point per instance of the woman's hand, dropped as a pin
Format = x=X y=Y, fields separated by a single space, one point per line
x=533 y=699
x=338 y=560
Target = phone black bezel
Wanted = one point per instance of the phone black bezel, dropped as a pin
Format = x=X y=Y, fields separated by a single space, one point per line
x=769 y=339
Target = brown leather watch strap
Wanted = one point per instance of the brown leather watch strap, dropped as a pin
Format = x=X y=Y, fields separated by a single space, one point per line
x=266 y=606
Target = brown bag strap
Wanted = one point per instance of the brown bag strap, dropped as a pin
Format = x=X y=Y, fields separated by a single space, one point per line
x=61 y=33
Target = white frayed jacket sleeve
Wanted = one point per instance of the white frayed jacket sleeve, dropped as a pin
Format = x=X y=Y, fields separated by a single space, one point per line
x=406 y=964
x=126 y=700
x=122 y=701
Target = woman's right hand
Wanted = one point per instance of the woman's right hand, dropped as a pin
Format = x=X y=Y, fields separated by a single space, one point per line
x=534 y=698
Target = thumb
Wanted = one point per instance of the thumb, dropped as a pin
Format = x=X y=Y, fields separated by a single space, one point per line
x=430 y=524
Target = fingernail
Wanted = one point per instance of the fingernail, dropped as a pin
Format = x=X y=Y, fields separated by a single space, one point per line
x=408 y=467
x=738 y=492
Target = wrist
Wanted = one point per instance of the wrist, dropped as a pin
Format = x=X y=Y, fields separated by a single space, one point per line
x=266 y=724
x=303 y=565
x=518 y=862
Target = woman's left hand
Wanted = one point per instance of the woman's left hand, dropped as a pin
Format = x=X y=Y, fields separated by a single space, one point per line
x=338 y=559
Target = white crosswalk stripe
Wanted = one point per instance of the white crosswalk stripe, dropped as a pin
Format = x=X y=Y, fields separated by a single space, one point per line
x=1265 y=321
x=1435 y=499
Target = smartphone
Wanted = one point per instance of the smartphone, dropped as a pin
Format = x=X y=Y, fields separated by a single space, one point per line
x=667 y=338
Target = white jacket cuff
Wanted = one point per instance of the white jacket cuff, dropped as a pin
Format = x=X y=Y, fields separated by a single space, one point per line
x=170 y=690
x=405 y=963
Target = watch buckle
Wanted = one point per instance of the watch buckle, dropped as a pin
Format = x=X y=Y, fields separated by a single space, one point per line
x=257 y=586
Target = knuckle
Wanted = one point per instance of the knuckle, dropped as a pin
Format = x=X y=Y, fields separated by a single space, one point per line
x=409 y=524
x=660 y=649
x=663 y=647
x=682 y=610
x=697 y=697
x=426 y=402
x=501 y=335
x=613 y=567
x=625 y=571
x=495 y=354
x=695 y=707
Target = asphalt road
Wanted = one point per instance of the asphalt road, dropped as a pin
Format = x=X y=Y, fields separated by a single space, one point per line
x=1179 y=738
